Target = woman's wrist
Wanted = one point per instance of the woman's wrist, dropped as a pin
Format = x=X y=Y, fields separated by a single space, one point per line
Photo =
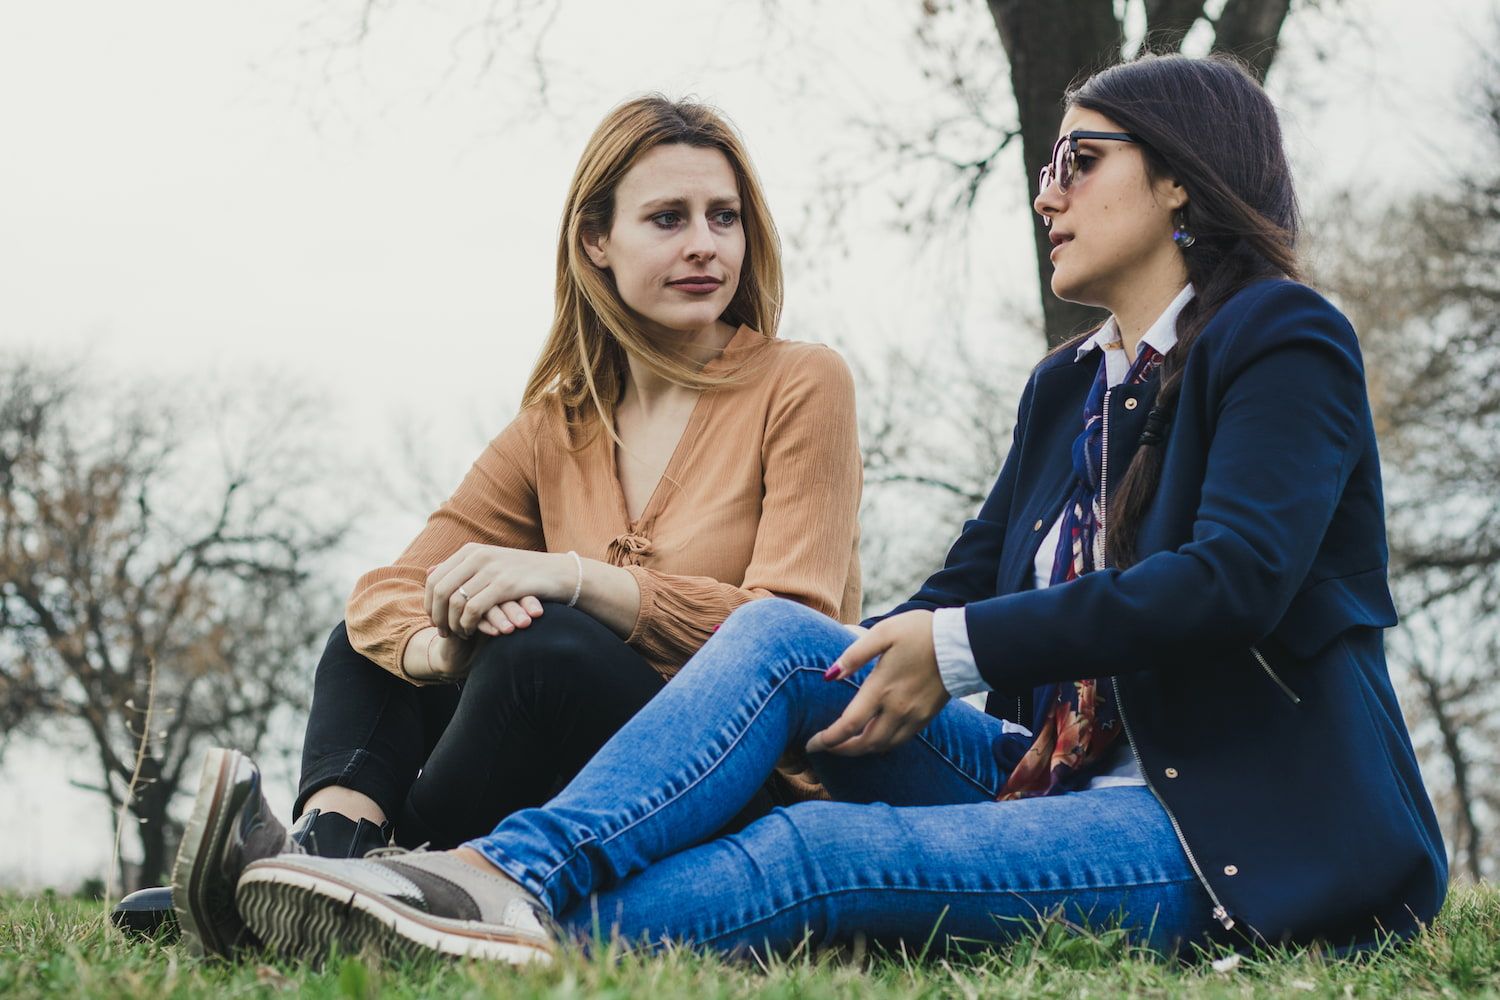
x=567 y=578
x=431 y=657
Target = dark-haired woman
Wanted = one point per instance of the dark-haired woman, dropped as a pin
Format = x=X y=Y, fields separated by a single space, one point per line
x=1175 y=594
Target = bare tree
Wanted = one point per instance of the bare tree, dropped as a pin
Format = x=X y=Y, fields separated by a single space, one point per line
x=133 y=534
x=1419 y=281
x=935 y=426
x=1000 y=67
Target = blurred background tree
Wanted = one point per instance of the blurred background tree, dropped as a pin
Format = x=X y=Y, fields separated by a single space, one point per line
x=1418 y=279
x=155 y=555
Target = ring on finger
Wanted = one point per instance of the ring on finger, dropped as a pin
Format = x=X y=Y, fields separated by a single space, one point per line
x=464 y=594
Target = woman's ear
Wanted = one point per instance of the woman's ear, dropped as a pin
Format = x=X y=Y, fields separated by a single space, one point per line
x=594 y=246
x=1171 y=194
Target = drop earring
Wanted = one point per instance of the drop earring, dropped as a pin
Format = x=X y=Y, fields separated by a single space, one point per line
x=1180 y=234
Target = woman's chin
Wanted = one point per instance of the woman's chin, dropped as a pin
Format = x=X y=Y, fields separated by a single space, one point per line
x=685 y=322
x=1070 y=289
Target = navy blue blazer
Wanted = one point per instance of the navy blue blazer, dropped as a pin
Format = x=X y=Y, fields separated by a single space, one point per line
x=1245 y=644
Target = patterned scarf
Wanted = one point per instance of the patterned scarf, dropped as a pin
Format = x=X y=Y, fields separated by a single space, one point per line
x=1082 y=723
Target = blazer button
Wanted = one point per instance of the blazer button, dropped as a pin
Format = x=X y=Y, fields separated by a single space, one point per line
x=1037 y=526
x=1131 y=403
x=1171 y=772
x=1231 y=870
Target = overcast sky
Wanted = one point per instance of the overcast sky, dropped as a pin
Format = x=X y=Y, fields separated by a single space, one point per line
x=194 y=188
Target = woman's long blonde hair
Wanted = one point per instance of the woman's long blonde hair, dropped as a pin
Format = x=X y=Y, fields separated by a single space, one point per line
x=584 y=359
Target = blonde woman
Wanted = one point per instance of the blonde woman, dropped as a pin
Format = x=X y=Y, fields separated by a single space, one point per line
x=672 y=461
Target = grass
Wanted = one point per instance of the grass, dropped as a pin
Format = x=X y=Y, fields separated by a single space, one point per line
x=52 y=946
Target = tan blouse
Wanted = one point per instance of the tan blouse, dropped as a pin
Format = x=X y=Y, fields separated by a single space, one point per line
x=760 y=498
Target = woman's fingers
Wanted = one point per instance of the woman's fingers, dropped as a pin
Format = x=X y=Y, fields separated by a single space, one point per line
x=465 y=585
x=516 y=614
x=503 y=619
x=877 y=737
x=443 y=581
x=857 y=654
x=862 y=708
x=491 y=622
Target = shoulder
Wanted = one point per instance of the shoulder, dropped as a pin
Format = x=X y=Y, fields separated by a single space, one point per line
x=800 y=366
x=535 y=424
x=1275 y=314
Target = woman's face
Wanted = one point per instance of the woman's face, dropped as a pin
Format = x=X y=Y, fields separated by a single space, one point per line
x=676 y=244
x=1112 y=228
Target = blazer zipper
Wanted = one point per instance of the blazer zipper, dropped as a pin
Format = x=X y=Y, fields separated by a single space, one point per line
x=1285 y=688
x=1220 y=912
x=1099 y=548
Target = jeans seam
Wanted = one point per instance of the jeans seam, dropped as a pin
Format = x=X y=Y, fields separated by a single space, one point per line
x=963 y=771
x=842 y=890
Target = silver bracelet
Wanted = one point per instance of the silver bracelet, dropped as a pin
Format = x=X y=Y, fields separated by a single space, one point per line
x=578 y=588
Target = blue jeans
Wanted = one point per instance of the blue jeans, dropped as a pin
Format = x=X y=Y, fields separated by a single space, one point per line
x=913 y=843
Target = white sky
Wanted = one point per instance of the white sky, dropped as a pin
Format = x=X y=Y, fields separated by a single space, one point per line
x=200 y=188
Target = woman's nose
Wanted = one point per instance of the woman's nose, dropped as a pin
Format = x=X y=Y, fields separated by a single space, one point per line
x=1048 y=203
x=700 y=242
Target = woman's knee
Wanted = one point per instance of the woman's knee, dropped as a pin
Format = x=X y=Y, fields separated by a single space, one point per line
x=774 y=634
x=770 y=614
x=556 y=648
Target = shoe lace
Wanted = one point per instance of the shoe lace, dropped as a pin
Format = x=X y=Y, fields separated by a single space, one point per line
x=391 y=851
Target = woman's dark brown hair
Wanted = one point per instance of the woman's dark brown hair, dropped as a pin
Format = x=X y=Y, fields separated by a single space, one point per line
x=1208 y=124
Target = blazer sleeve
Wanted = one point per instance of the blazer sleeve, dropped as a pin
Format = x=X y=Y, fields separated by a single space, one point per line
x=496 y=504
x=971 y=570
x=1284 y=437
x=809 y=519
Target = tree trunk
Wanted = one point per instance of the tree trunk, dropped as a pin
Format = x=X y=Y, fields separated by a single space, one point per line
x=1250 y=30
x=154 y=826
x=1048 y=52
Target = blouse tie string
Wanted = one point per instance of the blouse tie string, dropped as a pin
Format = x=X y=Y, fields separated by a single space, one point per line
x=629 y=549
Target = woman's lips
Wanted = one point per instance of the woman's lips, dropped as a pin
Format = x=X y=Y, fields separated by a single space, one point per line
x=1059 y=245
x=696 y=286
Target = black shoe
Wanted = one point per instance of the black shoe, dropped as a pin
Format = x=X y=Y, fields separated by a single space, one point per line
x=147 y=913
x=334 y=835
x=231 y=826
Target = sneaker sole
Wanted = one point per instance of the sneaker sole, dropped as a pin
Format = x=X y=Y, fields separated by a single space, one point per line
x=302 y=915
x=203 y=930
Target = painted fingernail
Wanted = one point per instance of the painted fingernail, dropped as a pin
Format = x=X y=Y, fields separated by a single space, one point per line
x=715 y=628
x=832 y=673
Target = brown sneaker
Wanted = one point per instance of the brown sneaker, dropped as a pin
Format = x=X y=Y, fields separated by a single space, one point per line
x=401 y=905
x=231 y=826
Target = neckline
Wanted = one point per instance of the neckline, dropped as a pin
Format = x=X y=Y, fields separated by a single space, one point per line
x=744 y=342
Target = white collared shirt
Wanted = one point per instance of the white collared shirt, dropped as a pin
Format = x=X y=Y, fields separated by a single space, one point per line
x=950 y=632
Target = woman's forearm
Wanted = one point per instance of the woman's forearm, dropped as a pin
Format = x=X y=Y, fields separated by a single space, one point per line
x=609 y=594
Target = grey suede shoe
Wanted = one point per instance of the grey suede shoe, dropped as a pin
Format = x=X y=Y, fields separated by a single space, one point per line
x=401 y=905
x=231 y=826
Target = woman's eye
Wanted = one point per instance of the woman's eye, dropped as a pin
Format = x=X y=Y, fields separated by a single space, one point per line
x=666 y=220
x=1083 y=162
x=726 y=217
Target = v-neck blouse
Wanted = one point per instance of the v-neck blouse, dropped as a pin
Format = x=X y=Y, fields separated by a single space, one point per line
x=760 y=498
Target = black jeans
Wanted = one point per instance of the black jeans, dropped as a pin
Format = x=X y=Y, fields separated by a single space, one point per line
x=446 y=763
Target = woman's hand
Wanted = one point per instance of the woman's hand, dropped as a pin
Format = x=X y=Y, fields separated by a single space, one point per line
x=431 y=657
x=493 y=589
x=898 y=698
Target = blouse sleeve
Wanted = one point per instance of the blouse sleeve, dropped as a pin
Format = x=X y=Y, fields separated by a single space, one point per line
x=496 y=504
x=809 y=521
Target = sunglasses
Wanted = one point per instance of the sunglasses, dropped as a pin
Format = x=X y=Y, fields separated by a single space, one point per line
x=1063 y=167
